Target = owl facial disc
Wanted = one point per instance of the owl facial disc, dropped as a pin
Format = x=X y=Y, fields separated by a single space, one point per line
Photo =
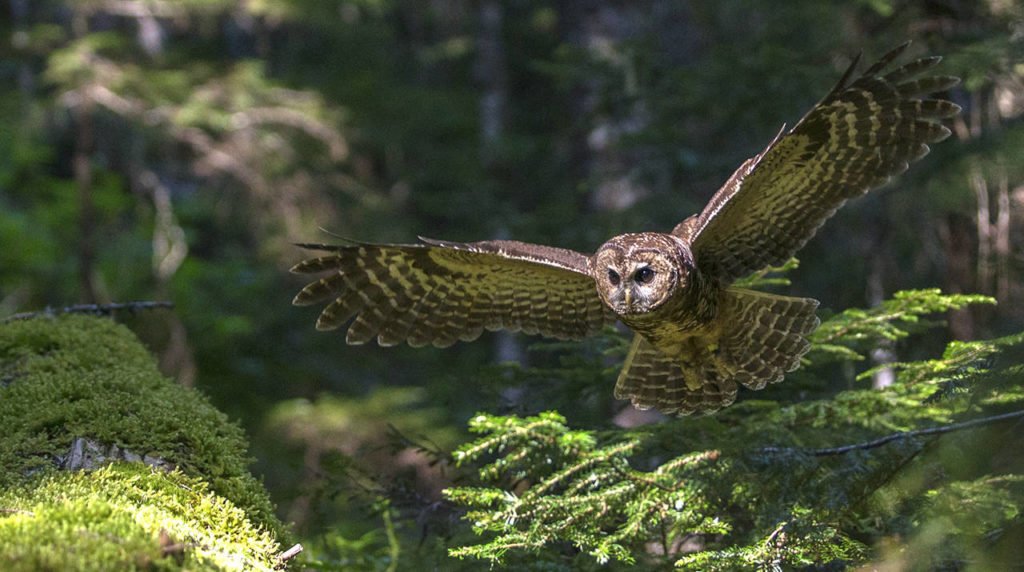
x=637 y=273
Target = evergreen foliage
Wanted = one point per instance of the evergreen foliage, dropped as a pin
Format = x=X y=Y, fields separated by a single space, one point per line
x=174 y=150
x=762 y=484
x=849 y=334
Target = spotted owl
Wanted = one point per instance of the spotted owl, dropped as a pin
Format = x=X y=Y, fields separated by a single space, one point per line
x=696 y=336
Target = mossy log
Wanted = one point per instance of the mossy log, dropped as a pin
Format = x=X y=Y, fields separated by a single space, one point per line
x=105 y=464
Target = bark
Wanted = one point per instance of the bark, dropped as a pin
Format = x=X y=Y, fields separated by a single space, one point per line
x=82 y=168
x=492 y=73
x=957 y=237
x=598 y=29
x=878 y=257
x=1001 y=238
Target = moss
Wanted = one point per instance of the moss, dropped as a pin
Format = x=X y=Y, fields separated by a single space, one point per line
x=123 y=516
x=82 y=377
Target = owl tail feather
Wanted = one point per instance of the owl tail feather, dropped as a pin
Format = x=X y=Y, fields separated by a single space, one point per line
x=759 y=337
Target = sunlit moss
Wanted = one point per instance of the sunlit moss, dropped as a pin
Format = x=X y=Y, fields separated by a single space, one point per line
x=127 y=515
x=82 y=377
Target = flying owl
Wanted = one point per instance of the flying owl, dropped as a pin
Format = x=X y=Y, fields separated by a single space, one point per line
x=696 y=337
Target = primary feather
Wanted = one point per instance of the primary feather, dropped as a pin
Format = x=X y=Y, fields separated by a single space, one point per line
x=696 y=338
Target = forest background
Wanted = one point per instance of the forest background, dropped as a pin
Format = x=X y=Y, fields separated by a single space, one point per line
x=177 y=150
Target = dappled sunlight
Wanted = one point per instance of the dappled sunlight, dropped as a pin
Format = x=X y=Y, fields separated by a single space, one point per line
x=163 y=161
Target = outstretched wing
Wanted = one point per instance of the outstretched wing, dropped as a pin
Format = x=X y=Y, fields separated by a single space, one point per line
x=855 y=139
x=441 y=292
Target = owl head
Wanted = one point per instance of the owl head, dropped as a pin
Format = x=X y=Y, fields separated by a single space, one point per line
x=637 y=273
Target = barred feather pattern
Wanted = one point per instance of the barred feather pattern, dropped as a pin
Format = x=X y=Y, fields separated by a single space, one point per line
x=859 y=136
x=755 y=340
x=439 y=293
x=696 y=339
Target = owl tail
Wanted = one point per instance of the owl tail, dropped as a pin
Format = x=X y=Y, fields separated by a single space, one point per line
x=760 y=337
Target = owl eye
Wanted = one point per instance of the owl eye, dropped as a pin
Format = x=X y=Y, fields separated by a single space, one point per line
x=644 y=275
x=613 y=277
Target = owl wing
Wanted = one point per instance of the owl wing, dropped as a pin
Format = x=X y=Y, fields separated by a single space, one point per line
x=859 y=136
x=441 y=292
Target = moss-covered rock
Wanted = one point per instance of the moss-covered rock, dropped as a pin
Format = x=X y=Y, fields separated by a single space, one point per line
x=75 y=379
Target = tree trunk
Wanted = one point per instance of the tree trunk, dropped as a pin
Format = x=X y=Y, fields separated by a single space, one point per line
x=82 y=168
x=492 y=73
x=956 y=236
x=875 y=291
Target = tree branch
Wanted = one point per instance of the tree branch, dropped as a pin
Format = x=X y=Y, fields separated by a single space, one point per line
x=896 y=436
x=289 y=554
x=96 y=309
x=16 y=511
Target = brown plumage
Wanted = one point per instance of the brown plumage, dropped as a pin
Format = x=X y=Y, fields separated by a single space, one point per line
x=696 y=337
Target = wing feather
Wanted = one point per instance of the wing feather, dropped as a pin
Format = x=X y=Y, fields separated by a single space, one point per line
x=859 y=136
x=441 y=292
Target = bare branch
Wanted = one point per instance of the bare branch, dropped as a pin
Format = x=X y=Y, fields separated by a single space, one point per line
x=289 y=554
x=896 y=436
x=94 y=309
x=16 y=511
x=148 y=9
x=248 y=118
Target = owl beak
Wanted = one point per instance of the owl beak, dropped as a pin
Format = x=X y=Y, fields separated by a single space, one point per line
x=627 y=293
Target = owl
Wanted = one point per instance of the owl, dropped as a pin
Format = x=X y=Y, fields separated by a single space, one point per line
x=696 y=336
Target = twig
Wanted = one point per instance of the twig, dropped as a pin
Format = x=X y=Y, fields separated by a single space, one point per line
x=771 y=537
x=17 y=511
x=96 y=309
x=633 y=476
x=901 y=435
x=290 y=553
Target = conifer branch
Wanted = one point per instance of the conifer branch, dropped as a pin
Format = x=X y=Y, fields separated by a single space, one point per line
x=891 y=320
x=667 y=468
x=901 y=435
x=586 y=463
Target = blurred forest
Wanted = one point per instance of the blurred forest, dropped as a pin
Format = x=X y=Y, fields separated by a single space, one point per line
x=176 y=150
